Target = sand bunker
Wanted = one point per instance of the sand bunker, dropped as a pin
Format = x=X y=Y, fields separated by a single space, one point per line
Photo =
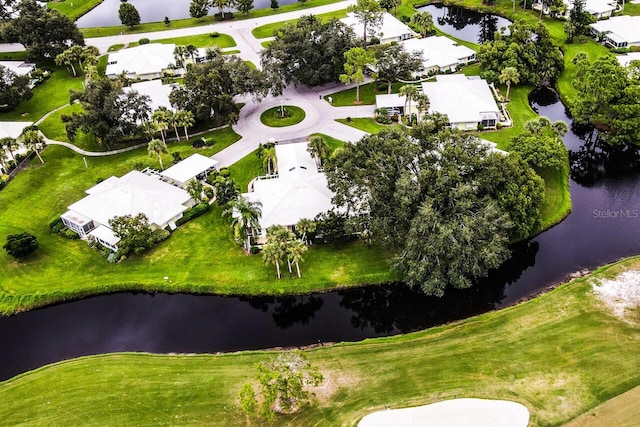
x=621 y=293
x=453 y=413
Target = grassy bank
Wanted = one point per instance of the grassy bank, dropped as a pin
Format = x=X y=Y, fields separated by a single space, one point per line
x=73 y=9
x=561 y=355
x=268 y=30
x=193 y=22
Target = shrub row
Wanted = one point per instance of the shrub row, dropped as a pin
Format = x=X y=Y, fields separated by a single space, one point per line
x=194 y=212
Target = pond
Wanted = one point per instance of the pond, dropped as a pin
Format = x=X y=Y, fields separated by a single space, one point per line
x=466 y=24
x=602 y=228
x=106 y=13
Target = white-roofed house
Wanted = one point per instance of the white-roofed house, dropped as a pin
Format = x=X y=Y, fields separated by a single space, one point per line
x=299 y=190
x=21 y=68
x=195 y=166
x=131 y=194
x=391 y=30
x=625 y=60
x=439 y=53
x=618 y=31
x=467 y=101
x=13 y=130
x=157 y=92
x=394 y=103
x=598 y=8
x=144 y=62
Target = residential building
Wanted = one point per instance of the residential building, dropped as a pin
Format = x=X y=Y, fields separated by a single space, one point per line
x=298 y=191
x=21 y=68
x=626 y=59
x=195 y=166
x=618 y=31
x=144 y=62
x=601 y=9
x=439 y=53
x=391 y=30
x=131 y=194
x=157 y=92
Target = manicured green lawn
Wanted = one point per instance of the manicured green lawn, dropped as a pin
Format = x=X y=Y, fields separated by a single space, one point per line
x=273 y=116
x=192 y=22
x=13 y=56
x=367 y=124
x=73 y=9
x=199 y=257
x=560 y=354
x=48 y=95
x=268 y=30
x=368 y=92
x=200 y=40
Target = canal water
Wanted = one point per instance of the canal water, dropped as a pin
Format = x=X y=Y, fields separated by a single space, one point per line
x=603 y=227
x=106 y=13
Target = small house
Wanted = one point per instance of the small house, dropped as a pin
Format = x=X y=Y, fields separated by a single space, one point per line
x=144 y=62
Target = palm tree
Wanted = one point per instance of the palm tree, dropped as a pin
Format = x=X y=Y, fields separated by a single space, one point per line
x=410 y=92
x=269 y=159
x=191 y=50
x=318 y=148
x=559 y=128
x=180 y=53
x=423 y=104
x=245 y=217
x=295 y=249
x=157 y=148
x=3 y=160
x=305 y=226
x=33 y=140
x=194 y=188
x=508 y=76
x=273 y=253
x=220 y=4
x=172 y=121
x=161 y=118
x=185 y=119
x=65 y=58
x=423 y=22
x=9 y=144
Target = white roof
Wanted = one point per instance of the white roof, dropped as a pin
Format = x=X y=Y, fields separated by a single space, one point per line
x=144 y=59
x=595 y=7
x=626 y=59
x=391 y=27
x=132 y=194
x=21 y=68
x=299 y=191
x=75 y=218
x=12 y=129
x=105 y=234
x=392 y=100
x=438 y=51
x=627 y=28
x=189 y=168
x=157 y=92
x=462 y=99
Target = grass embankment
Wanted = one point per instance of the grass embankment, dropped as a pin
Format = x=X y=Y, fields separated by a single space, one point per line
x=561 y=355
x=198 y=40
x=273 y=116
x=368 y=92
x=73 y=9
x=200 y=256
x=367 y=124
x=268 y=30
x=193 y=22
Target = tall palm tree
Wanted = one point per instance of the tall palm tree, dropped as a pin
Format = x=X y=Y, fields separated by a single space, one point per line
x=191 y=51
x=245 y=218
x=273 y=253
x=161 y=118
x=157 y=148
x=295 y=249
x=318 y=148
x=33 y=140
x=508 y=76
x=269 y=159
x=423 y=104
x=173 y=122
x=65 y=58
x=305 y=226
x=185 y=119
x=180 y=53
x=9 y=144
x=410 y=92
x=559 y=128
x=423 y=22
x=3 y=160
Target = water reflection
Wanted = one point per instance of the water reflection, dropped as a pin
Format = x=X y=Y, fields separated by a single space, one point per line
x=466 y=24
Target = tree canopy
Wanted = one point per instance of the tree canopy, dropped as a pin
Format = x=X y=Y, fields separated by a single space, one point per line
x=20 y=245
x=308 y=52
x=393 y=62
x=128 y=14
x=369 y=13
x=529 y=49
x=13 y=89
x=134 y=232
x=439 y=198
x=608 y=98
x=44 y=32
x=541 y=144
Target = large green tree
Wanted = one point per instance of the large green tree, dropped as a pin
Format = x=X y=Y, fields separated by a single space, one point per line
x=369 y=13
x=423 y=21
x=393 y=62
x=608 y=98
x=541 y=144
x=134 y=232
x=128 y=14
x=44 y=32
x=439 y=198
x=356 y=59
x=529 y=49
x=198 y=8
x=13 y=89
x=307 y=52
x=21 y=245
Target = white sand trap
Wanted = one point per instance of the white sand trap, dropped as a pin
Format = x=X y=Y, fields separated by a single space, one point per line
x=453 y=413
x=621 y=293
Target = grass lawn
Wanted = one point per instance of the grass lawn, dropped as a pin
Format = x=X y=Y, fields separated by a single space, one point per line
x=367 y=124
x=200 y=40
x=13 y=56
x=368 y=92
x=622 y=410
x=268 y=30
x=73 y=9
x=48 y=95
x=193 y=22
x=64 y=269
x=560 y=354
x=273 y=116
